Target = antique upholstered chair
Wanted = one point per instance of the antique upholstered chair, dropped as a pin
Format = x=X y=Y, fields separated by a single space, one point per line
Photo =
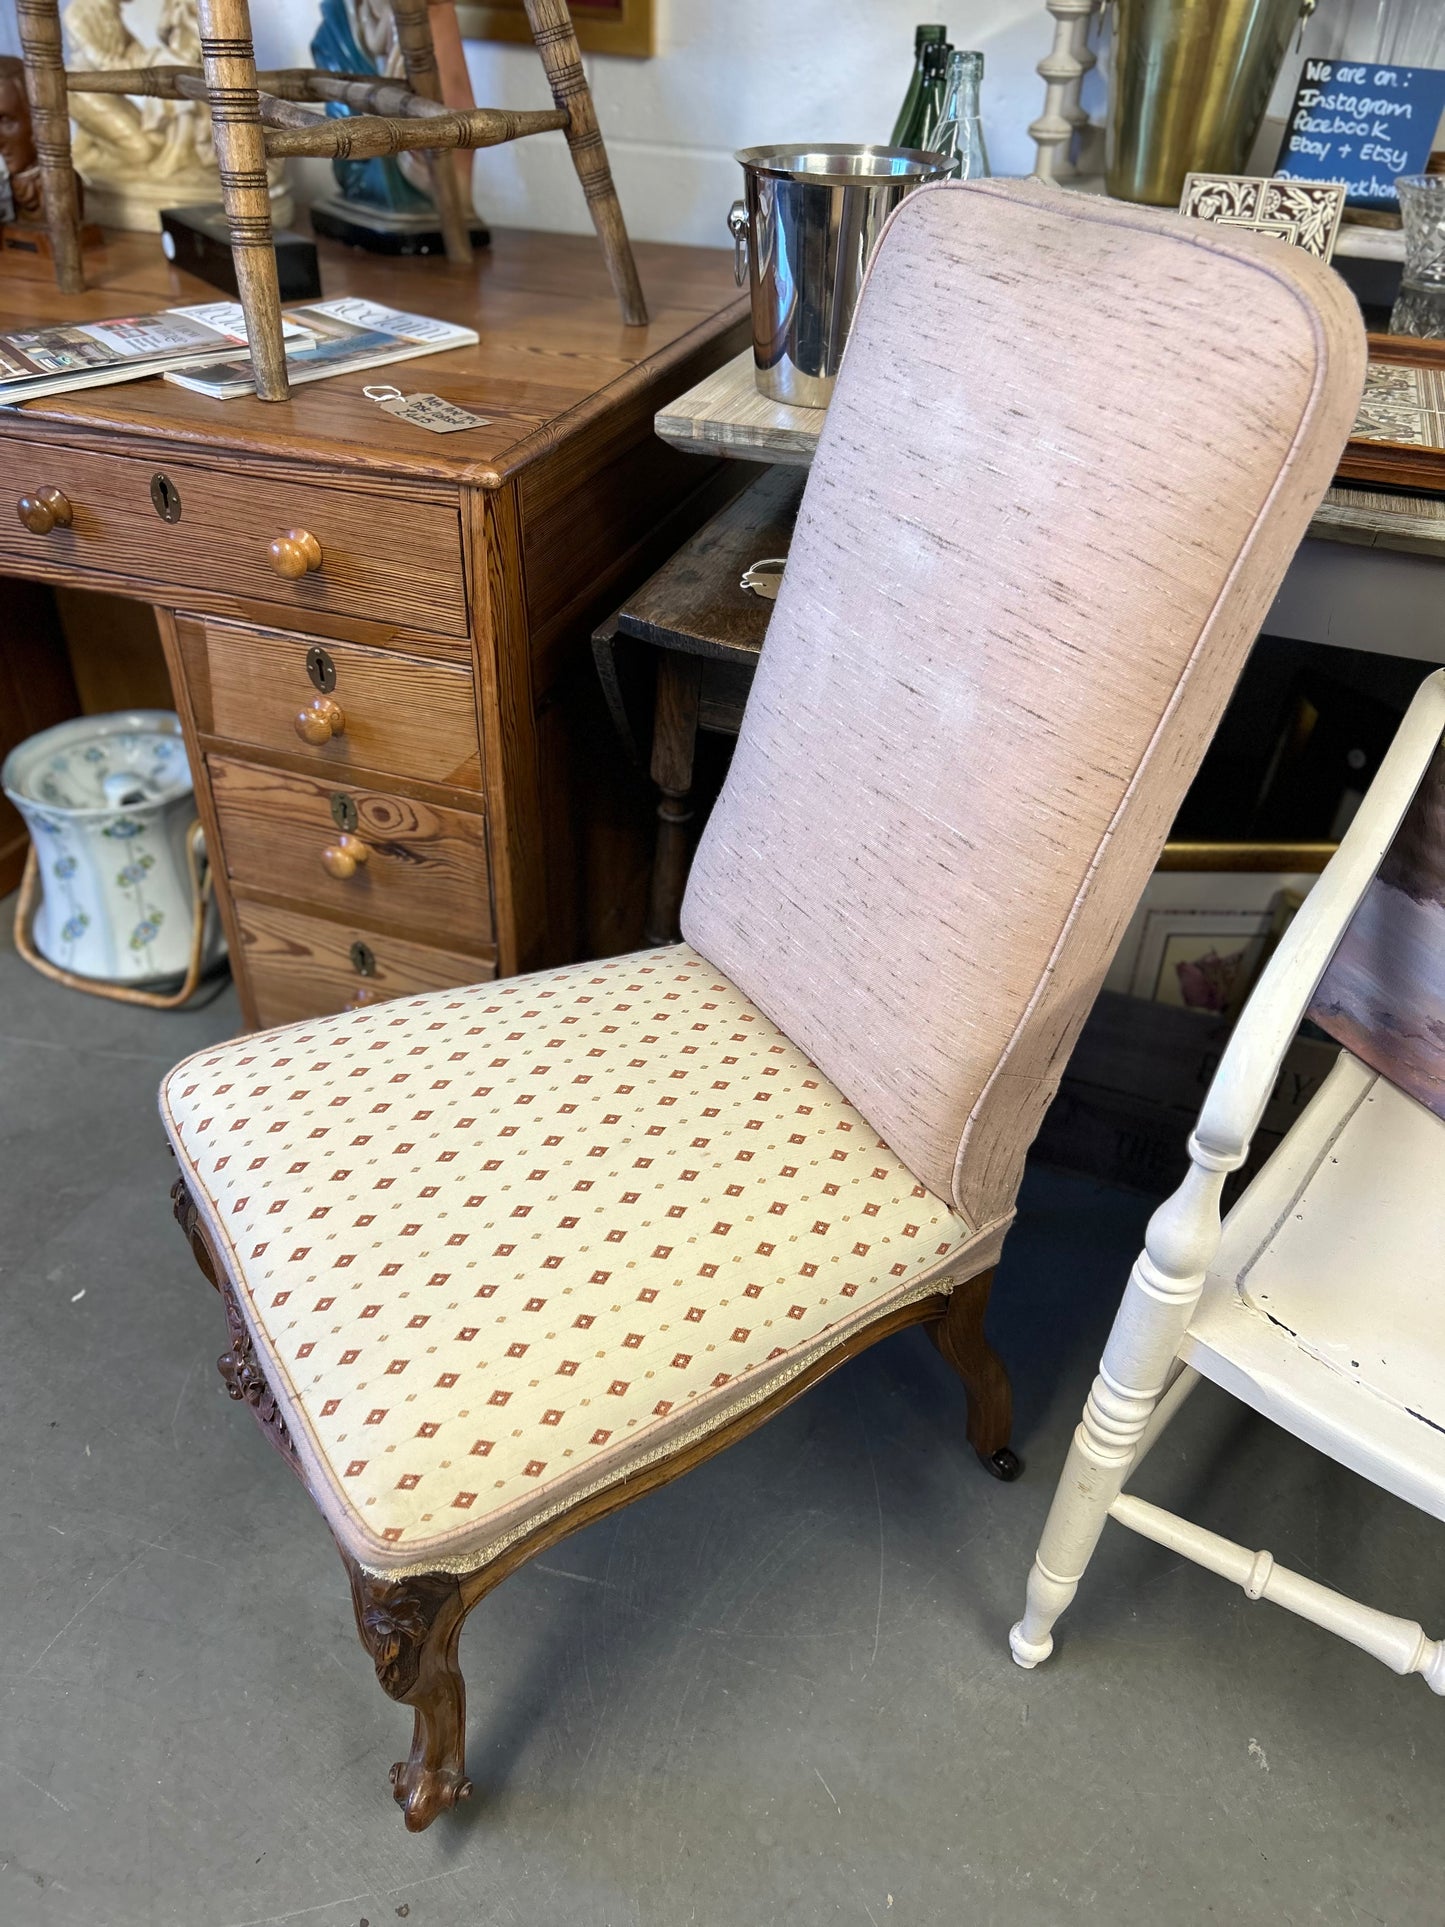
x=498 y=1260
x=258 y=117
x=1321 y=1302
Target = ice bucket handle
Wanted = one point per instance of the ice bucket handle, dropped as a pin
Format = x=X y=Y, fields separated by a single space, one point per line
x=738 y=228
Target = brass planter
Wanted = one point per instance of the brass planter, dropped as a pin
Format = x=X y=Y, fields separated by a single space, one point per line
x=1190 y=84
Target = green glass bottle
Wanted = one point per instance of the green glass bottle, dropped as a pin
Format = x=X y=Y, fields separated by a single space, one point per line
x=922 y=37
x=932 y=97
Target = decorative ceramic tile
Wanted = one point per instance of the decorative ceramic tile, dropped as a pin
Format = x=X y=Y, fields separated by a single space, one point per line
x=1306 y=214
x=1402 y=404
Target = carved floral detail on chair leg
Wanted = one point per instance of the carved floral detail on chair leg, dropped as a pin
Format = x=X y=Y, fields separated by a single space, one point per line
x=183 y=1205
x=959 y=1335
x=411 y=1628
x=245 y=1380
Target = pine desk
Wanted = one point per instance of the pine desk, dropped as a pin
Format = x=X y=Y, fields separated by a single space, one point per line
x=424 y=690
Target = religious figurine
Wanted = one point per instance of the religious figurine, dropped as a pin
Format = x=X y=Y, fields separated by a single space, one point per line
x=383 y=204
x=139 y=156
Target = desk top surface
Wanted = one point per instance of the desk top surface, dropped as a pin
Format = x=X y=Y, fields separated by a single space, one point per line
x=553 y=352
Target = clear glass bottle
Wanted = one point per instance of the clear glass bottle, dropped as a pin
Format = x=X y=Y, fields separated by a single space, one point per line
x=907 y=114
x=958 y=131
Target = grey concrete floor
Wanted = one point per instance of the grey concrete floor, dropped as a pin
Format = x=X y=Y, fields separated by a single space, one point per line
x=777 y=1690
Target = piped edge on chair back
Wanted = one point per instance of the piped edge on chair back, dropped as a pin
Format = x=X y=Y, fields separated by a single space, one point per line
x=1072 y=449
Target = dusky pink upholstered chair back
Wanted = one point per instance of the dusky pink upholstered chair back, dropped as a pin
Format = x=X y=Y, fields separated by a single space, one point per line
x=1071 y=451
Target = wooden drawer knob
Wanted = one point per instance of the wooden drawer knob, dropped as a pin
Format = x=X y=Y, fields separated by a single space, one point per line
x=293 y=553
x=342 y=858
x=43 y=510
x=321 y=719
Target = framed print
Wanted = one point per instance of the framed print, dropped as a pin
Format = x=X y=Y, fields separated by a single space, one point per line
x=603 y=26
x=1199 y=938
x=1399 y=436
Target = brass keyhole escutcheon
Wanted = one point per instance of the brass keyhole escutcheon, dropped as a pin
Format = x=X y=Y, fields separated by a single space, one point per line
x=343 y=811
x=363 y=960
x=321 y=669
x=165 y=498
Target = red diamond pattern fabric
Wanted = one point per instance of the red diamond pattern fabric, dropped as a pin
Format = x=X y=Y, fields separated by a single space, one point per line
x=497 y=1246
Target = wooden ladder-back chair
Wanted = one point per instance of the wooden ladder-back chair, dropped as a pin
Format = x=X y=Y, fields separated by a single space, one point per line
x=1321 y=1300
x=496 y=1261
x=264 y=116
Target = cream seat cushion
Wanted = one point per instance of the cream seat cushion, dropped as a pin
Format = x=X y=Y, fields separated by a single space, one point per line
x=496 y=1247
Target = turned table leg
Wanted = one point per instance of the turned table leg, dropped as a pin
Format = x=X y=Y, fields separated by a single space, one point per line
x=959 y=1335
x=674 y=744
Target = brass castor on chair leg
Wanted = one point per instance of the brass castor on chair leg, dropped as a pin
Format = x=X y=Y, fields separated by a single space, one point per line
x=422 y=1793
x=1004 y=1464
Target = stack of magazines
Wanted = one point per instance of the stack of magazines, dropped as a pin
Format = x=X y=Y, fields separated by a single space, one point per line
x=340 y=337
x=203 y=348
x=88 y=354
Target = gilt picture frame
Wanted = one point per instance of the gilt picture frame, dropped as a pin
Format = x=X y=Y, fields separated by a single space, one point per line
x=603 y=26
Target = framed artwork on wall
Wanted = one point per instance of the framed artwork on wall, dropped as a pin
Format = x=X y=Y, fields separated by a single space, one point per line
x=603 y=26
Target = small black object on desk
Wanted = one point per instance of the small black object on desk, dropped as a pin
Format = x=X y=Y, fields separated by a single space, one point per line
x=198 y=240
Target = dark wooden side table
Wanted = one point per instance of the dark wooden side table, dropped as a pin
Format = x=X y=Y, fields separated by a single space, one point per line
x=705 y=633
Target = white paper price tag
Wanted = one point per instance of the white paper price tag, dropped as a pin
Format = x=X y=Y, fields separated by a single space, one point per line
x=424 y=411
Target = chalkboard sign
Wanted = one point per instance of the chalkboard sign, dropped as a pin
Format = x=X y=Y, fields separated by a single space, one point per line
x=1363 y=125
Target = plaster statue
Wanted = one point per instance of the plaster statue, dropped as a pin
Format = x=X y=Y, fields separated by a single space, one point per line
x=359 y=37
x=138 y=156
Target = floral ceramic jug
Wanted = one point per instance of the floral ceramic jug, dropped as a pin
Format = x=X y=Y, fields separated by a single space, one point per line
x=108 y=803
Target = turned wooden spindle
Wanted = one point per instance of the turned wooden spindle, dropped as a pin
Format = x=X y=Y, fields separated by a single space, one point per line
x=1062 y=69
x=414 y=38
x=45 y=509
x=295 y=553
x=230 y=69
x=344 y=857
x=43 y=47
x=556 y=40
x=321 y=719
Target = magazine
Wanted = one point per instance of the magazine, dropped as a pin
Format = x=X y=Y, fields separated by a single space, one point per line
x=52 y=359
x=345 y=335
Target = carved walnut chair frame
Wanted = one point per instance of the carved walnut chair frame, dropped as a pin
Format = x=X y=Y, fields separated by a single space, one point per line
x=962 y=754
x=412 y=1626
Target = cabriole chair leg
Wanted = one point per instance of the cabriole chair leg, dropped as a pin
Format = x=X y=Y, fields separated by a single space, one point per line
x=959 y=1335
x=411 y=1627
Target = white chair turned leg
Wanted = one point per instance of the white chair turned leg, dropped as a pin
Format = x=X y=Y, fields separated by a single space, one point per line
x=1163 y=1290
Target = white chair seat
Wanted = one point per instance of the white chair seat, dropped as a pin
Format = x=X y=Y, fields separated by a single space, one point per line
x=1325 y=1308
x=501 y=1247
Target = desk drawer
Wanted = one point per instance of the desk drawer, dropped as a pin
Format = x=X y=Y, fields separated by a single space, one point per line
x=382 y=557
x=303 y=966
x=407 y=715
x=413 y=866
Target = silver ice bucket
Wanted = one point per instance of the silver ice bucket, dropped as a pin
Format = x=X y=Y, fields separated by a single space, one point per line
x=809 y=220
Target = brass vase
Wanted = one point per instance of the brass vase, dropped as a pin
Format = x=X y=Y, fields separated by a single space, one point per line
x=1191 y=80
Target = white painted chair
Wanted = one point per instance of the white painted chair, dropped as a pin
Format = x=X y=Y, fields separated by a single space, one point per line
x=1321 y=1299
